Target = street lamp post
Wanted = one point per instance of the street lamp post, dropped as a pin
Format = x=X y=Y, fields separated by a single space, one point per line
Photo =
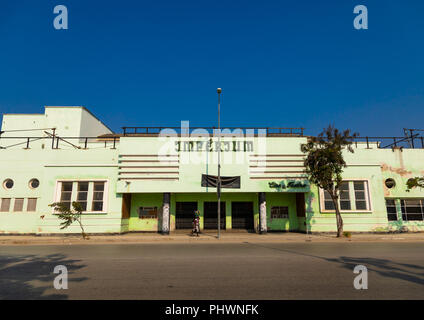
x=219 y=90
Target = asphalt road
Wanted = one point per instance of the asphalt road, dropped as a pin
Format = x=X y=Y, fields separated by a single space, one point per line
x=214 y=271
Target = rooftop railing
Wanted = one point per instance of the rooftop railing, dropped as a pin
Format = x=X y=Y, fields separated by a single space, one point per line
x=268 y=131
x=415 y=141
x=57 y=142
x=412 y=142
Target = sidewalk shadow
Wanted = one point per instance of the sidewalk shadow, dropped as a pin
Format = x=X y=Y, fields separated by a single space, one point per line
x=383 y=267
x=30 y=276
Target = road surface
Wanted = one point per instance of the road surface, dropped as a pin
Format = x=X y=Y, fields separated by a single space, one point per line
x=214 y=271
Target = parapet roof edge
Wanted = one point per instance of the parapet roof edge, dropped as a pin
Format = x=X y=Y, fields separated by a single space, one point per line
x=84 y=108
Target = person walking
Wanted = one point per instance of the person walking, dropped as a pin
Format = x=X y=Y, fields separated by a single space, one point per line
x=196 y=223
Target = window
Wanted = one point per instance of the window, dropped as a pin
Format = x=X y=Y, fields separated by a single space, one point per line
x=391 y=210
x=66 y=194
x=8 y=184
x=89 y=194
x=279 y=212
x=360 y=195
x=390 y=183
x=82 y=195
x=5 y=205
x=98 y=194
x=328 y=201
x=31 y=204
x=354 y=196
x=34 y=183
x=19 y=205
x=412 y=209
x=344 y=196
x=148 y=212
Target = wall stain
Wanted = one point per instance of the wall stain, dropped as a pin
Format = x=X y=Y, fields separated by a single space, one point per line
x=401 y=171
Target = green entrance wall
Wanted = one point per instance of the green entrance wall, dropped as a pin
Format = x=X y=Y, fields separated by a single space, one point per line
x=282 y=200
x=155 y=200
x=145 y=224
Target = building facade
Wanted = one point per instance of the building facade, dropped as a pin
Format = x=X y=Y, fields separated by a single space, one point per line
x=153 y=179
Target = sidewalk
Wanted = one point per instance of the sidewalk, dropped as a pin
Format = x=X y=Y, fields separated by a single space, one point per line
x=208 y=237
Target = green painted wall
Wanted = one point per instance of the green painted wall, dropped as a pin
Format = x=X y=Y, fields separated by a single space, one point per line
x=283 y=200
x=272 y=199
x=375 y=165
x=50 y=166
x=102 y=162
x=145 y=200
x=192 y=165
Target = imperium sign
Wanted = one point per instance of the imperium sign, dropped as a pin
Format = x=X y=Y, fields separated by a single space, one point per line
x=213 y=146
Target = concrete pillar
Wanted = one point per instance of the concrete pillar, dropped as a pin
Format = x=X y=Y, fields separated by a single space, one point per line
x=165 y=213
x=201 y=208
x=262 y=213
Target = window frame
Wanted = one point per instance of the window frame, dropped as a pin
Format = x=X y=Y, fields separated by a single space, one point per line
x=79 y=192
x=58 y=189
x=21 y=206
x=352 y=198
x=279 y=209
x=9 y=206
x=394 y=206
x=347 y=199
x=28 y=203
x=402 y=206
x=154 y=209
x=59 y=196
x=93 y=199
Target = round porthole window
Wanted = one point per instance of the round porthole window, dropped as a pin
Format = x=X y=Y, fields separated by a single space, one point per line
x=390 y=183
x=8 y=184
x=34 y=183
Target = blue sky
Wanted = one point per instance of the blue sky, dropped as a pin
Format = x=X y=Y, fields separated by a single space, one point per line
x=155 y=63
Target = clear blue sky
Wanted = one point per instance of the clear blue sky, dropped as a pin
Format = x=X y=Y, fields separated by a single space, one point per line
x=282 y=63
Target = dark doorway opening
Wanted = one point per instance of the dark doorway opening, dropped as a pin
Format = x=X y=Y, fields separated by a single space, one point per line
x=242 y=215
x=184 y=214
x=126 y=205
x=211 y=215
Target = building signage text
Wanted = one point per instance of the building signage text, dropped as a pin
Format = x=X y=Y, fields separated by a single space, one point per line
x=213 y=146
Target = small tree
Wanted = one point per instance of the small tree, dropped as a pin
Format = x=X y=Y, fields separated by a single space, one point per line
x=324 y=164
x=69 y=215
x=414 y=183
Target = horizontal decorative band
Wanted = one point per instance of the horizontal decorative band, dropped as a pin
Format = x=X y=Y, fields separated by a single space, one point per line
x=162 y=161
x=258 y=161
x=80 y=165
x=148 y=172
x=148 y=167
x=149 y=155
x=268 y=178
x=279 y=166
x=277 y=155
x=260 y=172
x=148 y=178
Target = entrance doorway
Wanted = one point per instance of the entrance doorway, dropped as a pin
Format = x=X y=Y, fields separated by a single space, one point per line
x=242 y=215
x=184 y=214
x=211 y=215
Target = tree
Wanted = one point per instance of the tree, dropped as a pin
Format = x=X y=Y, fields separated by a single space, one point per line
x=69 y=215
x=414 y=183
x=324 y=163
